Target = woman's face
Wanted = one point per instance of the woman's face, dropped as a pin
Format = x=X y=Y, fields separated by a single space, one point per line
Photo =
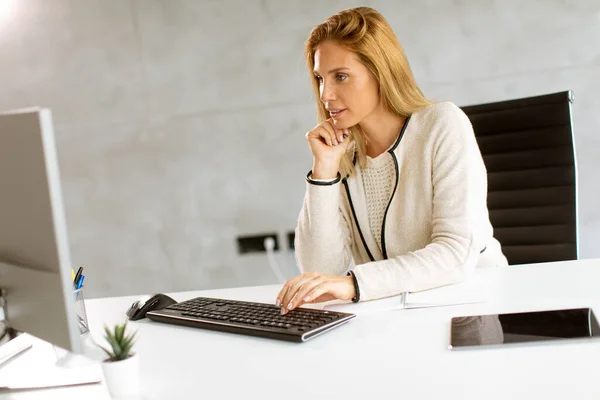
x=347 y=88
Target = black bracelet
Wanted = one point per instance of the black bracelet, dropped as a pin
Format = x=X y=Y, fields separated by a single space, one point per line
x=318 y=183
x=355 y=299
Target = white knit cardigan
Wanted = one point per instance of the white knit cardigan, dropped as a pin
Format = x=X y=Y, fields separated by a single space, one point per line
x=436 y=229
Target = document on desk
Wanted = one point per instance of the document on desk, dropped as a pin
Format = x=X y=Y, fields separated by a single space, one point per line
x=37 y=368
x=14 y=347
x=440 y=297
x=388 y=304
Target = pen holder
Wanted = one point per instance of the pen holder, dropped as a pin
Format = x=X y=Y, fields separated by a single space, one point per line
x=82 y=320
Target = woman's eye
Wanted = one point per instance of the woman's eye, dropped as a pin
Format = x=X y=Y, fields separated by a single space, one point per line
x=341 y=77
x=319 y=79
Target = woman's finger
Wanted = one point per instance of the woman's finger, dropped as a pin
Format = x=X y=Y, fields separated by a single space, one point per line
x=305 y=288
x=337 y=134
x=328 y=135
x=293 y=289
x=321 y=134
x=285 y=289
x=281 y=293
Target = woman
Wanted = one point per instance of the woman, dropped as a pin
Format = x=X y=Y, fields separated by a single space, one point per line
x=398 y=183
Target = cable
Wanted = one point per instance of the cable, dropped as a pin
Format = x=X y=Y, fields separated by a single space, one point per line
x=269 y=244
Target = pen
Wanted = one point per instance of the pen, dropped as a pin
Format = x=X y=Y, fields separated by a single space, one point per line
x=80 y=282
x=77 y=275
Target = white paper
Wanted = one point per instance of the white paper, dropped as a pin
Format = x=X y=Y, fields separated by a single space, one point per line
x=38 y=368
x=395 y=303
x=14 y=347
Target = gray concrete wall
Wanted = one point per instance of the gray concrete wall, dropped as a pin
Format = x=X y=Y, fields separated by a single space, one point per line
x=180 y=124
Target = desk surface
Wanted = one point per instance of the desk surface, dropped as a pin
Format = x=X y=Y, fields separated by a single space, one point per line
x=381 y=353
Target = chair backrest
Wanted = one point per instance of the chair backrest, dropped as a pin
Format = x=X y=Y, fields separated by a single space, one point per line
x=527 y=147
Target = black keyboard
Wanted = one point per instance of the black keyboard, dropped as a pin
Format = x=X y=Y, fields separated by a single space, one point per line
x=256 y=319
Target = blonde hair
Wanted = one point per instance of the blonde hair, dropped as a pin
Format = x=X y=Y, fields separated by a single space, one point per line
x=366 y=33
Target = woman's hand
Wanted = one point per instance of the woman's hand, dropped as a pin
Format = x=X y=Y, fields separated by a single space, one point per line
x=328 y=145
x=313 y=287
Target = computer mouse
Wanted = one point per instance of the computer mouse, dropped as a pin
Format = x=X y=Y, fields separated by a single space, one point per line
x=140 y=307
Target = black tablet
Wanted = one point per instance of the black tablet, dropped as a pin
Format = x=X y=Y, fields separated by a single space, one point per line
x=523 y=327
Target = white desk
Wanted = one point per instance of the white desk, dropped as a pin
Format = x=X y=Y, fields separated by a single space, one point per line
x=389 y=354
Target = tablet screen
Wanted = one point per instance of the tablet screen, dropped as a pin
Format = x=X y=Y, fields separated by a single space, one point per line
x=534 y=326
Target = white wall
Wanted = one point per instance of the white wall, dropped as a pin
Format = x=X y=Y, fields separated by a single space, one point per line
x=180 y=124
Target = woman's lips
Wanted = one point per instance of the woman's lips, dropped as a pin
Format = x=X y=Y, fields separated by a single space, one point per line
x=336 y=114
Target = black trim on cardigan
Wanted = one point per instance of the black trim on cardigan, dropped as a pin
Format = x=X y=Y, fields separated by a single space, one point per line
x=336 y=180
x=383 y=249
x=356 y=220
x=356 y=298
x=391 y=151
x=401 y=134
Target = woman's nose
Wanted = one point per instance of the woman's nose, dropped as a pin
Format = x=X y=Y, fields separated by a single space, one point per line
x=327 y=94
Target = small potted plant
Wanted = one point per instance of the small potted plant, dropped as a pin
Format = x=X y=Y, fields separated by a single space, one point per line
x=121 y=368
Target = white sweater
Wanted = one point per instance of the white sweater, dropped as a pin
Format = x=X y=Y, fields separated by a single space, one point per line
x=378 y=179
x=436 y=226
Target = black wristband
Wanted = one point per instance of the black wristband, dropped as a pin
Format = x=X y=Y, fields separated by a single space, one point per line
x=333 y=182
x=355 y=299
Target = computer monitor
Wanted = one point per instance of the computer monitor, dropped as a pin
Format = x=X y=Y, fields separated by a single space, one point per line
x=35 y=262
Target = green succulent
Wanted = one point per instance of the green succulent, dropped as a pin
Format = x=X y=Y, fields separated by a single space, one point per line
x=120 y=343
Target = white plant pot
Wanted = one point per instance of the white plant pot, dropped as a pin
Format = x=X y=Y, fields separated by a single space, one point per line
x=122 y=377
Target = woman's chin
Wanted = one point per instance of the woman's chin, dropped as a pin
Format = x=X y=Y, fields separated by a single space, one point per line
x=341 y=124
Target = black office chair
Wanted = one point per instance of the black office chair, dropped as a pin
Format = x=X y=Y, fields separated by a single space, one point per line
x=527 y=147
